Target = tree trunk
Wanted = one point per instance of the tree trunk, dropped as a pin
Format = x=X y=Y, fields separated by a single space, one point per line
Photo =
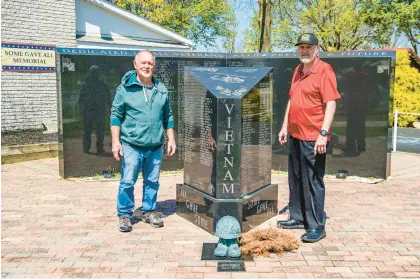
x=265 y=25
x=413 y=42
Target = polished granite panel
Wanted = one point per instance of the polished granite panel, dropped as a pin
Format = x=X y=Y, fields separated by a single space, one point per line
x=359 y=128
x=256 y=136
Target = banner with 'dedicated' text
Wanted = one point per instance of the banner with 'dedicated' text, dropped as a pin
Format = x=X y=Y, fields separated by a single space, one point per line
x=27 y=58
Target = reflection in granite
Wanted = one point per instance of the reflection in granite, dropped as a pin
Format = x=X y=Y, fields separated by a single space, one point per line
x=256 y=137
x=94 y=104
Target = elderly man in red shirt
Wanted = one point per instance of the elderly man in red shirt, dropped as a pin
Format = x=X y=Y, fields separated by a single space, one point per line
x=306 y=126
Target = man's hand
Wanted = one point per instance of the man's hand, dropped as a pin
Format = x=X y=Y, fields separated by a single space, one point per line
x=117 y=150
x=320 y=145
x=283 y=136
x=171 y=147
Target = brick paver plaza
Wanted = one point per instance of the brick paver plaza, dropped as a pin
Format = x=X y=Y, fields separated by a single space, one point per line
x=56 y=228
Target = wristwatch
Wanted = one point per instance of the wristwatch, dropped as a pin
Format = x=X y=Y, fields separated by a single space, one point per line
x=324 y=133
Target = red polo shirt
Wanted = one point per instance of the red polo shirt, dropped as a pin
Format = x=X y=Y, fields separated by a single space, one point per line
x=308 y=97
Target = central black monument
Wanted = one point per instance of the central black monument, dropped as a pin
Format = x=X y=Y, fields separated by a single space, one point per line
x=227 y=163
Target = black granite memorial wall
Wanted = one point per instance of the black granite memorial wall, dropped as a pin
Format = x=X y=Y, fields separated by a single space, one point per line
x=359 y=129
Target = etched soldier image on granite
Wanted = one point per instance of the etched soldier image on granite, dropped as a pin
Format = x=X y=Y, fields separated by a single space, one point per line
x=227 y=165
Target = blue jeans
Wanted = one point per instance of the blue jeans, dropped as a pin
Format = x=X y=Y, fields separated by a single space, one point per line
x=135 y=159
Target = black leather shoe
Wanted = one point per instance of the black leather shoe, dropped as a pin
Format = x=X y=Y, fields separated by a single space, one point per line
x=282 y=222
x=290 y=225
x=313 y=235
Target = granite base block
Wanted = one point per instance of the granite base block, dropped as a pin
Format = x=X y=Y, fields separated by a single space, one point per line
x=205 y=211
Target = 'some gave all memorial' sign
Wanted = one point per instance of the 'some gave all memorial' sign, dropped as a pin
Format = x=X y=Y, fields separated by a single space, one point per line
x=28 y=58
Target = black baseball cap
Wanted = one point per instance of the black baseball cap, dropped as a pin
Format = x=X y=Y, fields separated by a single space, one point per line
x=307 y=38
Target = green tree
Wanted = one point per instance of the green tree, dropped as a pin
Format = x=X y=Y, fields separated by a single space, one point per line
x=406 y=97
x=228 y=40
x=201 y=21
x=340 y=25
x=404 y=15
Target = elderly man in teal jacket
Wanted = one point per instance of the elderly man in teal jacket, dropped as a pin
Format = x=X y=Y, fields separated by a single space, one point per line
x=140 y=114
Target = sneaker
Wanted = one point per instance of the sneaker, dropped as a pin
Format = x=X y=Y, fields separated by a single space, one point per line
x=153 y=219
x=125 y=224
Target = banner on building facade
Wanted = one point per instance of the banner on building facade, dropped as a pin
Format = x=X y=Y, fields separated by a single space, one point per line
x=18 y=57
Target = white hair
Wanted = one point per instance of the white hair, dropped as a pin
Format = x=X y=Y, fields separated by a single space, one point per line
x=145 y=50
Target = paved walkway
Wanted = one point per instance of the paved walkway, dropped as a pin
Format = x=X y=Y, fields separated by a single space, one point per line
x=55 y=228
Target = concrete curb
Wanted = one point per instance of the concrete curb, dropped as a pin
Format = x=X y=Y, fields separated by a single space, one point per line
x=28 y=149
x=29 y=152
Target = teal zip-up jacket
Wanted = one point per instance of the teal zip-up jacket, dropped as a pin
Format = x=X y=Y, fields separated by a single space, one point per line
x=141 y=122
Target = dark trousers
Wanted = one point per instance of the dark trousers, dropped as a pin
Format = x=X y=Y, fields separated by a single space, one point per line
x=356 y=130
x=89 y=120
x=306 y=183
